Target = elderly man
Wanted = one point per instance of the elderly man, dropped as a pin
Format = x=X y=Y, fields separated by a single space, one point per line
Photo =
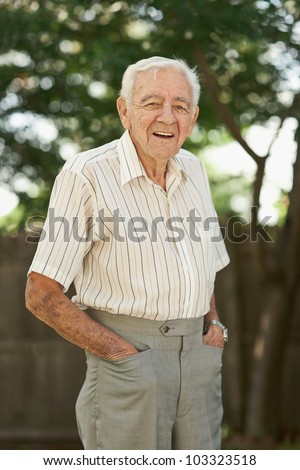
x=132 y=224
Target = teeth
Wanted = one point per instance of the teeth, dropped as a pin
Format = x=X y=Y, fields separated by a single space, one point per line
x=165 y=134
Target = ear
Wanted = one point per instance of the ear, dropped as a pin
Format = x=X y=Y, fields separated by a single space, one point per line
x=123 y=112
x=194 y=119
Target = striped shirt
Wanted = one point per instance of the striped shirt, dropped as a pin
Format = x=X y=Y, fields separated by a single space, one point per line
x=128 y=245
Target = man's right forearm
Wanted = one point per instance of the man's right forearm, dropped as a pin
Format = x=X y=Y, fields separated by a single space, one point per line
x=45 y=299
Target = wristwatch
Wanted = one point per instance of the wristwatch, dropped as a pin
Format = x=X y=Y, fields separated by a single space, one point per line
x=217 y=323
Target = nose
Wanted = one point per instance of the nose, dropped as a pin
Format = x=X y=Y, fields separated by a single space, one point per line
x=167 y=115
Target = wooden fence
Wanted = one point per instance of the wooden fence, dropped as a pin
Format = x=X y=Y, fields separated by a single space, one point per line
x=41 y=373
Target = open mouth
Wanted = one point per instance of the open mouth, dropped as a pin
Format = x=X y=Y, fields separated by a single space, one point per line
x=163 y=135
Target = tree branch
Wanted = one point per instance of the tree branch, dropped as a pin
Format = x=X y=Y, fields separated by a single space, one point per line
x=221 y=108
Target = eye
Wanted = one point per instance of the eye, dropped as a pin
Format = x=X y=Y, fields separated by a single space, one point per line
x=152 y=105
x=181 y=109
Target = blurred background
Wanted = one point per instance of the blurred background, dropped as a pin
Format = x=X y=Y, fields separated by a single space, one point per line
x=61 y=65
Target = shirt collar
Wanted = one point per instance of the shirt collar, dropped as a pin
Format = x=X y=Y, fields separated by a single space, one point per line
x=131 y=166
x=176 y=165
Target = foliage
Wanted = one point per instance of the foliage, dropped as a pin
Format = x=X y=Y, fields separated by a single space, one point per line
x=62 y=63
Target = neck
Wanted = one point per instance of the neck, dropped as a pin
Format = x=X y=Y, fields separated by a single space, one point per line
x=156 y=171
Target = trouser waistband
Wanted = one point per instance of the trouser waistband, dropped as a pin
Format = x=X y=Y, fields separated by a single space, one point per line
x=182 y=327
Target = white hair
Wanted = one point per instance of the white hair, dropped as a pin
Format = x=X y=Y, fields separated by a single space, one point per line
x=153 y=64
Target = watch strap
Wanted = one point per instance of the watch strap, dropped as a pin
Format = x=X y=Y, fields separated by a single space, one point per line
x=220 y=325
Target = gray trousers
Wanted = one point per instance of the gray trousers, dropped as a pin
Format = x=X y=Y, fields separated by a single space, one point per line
x=168 y=396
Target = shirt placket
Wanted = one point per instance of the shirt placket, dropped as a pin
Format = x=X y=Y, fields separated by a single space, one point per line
x=181 y=248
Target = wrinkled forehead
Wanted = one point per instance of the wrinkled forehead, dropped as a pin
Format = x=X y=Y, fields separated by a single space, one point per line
x=161 y=82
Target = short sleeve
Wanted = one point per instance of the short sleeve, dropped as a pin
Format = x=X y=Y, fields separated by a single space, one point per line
x=66 y=236
x=211 y=223
x=217 y=240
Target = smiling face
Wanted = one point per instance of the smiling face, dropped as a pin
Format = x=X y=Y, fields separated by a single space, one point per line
x=160 y=116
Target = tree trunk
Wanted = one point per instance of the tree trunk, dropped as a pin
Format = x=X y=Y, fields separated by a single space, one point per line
x=276 y=318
